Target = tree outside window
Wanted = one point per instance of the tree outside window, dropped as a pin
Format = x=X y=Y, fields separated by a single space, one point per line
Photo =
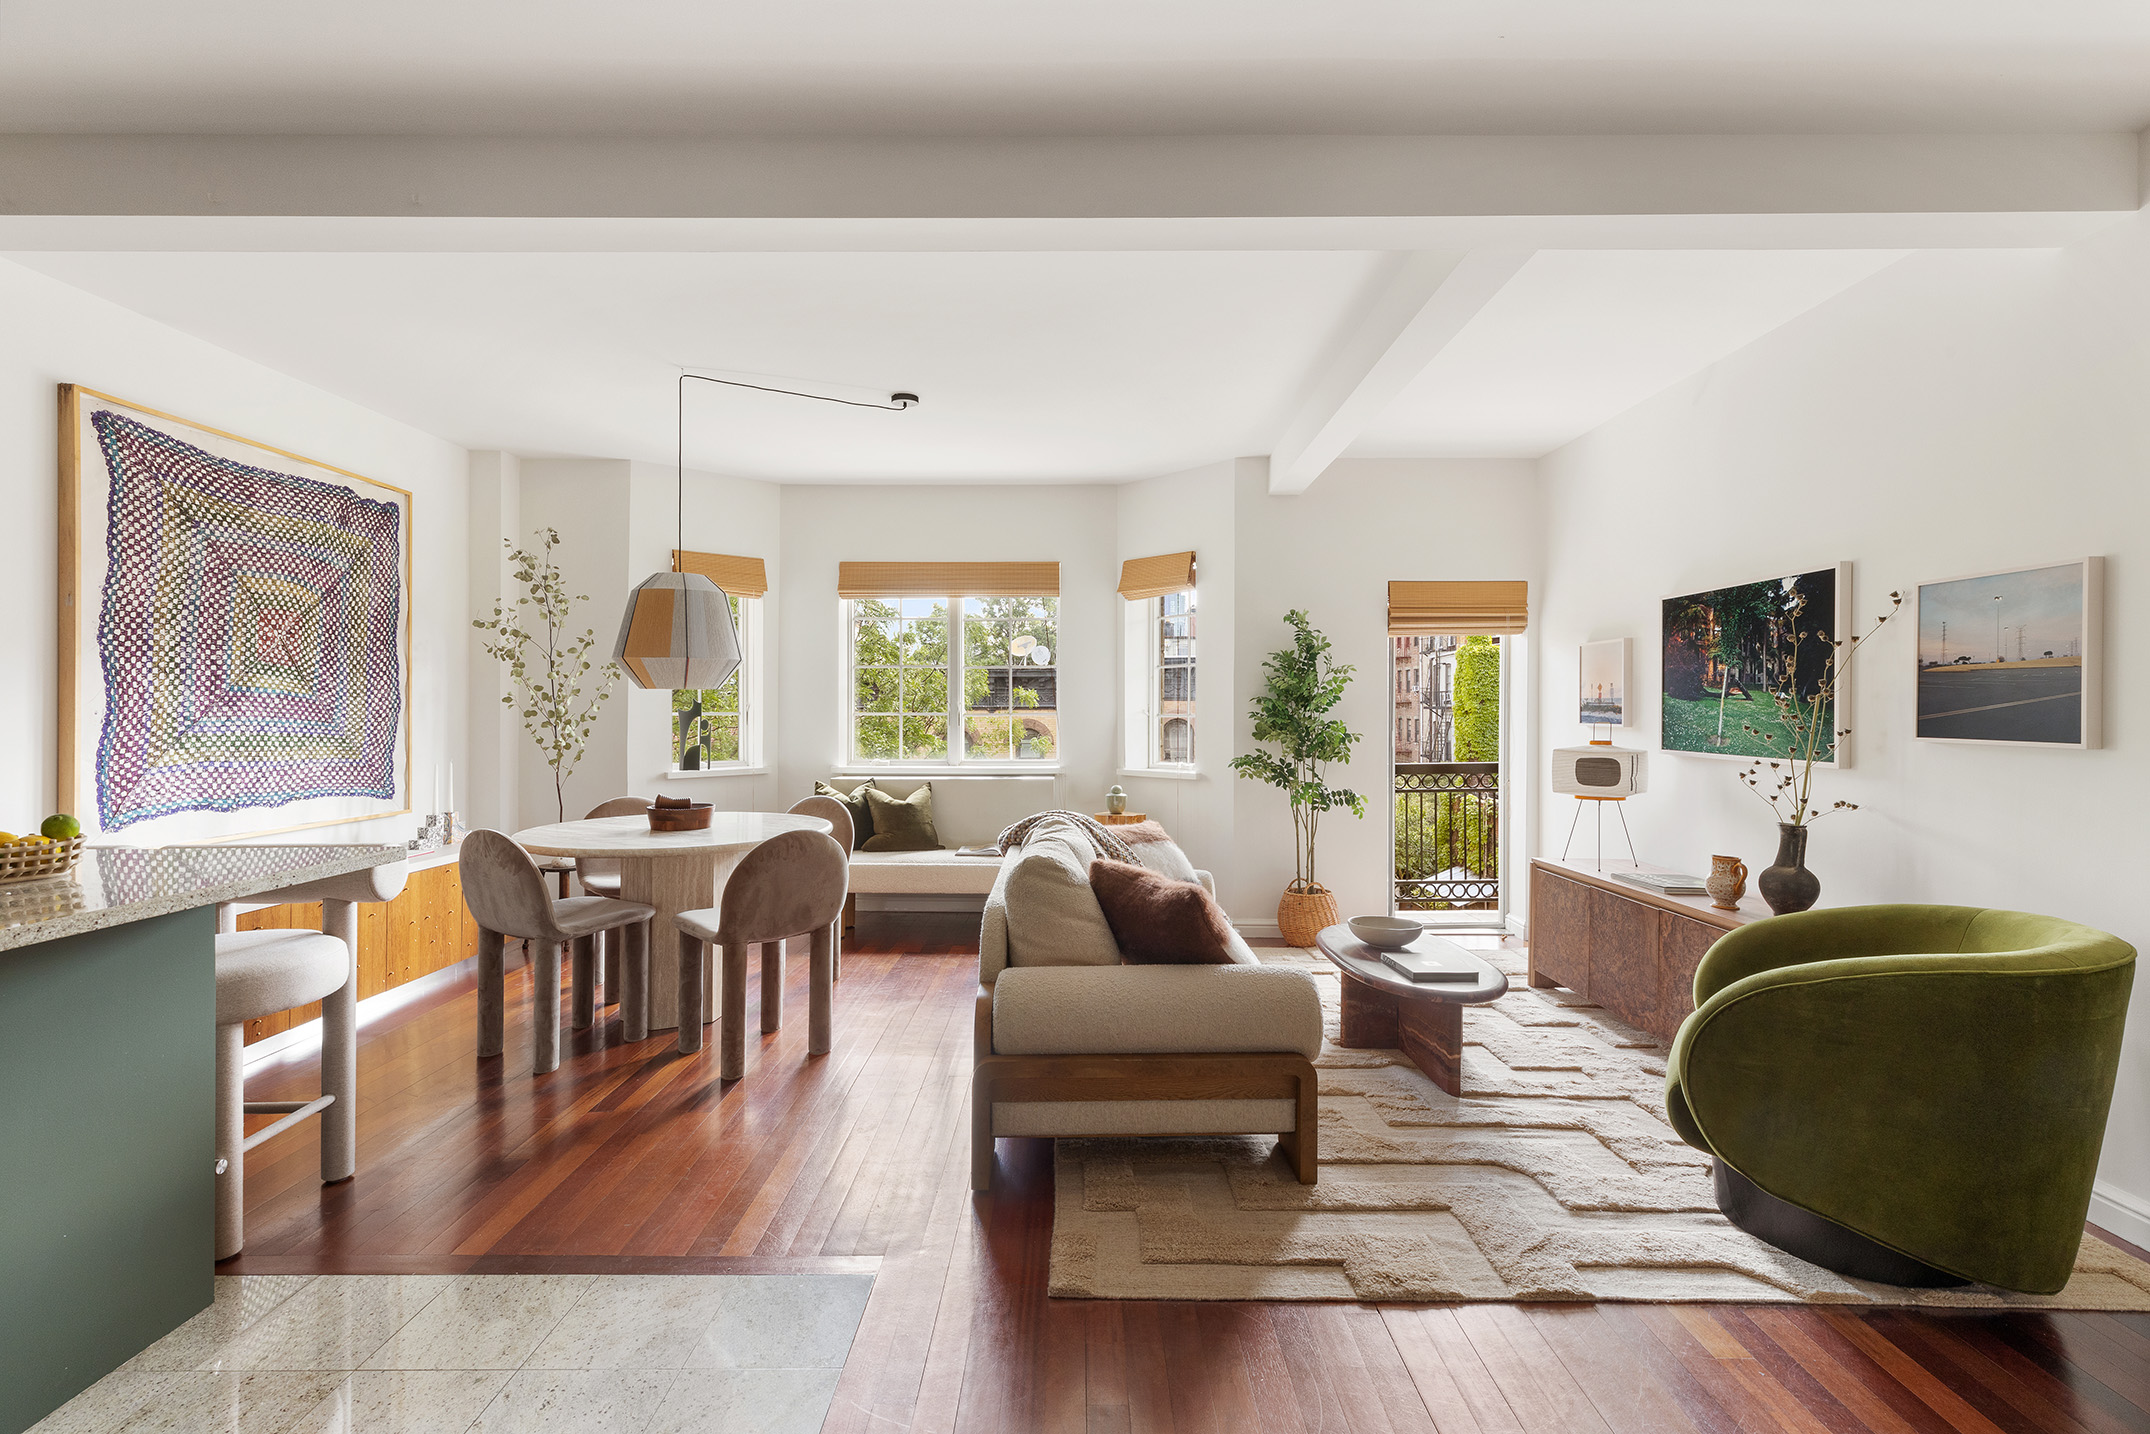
x=904 y=670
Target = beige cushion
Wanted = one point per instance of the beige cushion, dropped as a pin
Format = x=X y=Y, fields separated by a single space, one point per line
x=1053 y=916
x=930 y=873
x=1072 y=834
x=1165 y=858
x=1155 y=1010
x=259 y=973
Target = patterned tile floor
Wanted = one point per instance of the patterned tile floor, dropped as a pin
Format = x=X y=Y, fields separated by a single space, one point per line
x=501 y=1354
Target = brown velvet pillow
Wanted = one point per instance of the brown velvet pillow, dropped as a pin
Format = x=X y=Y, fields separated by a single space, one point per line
x=1158 y=921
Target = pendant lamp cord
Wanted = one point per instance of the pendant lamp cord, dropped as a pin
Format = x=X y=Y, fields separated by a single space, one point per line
x=897 y=403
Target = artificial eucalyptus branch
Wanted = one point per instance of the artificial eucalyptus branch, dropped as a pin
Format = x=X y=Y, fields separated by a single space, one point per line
x=1788 y=786
x=549 y=667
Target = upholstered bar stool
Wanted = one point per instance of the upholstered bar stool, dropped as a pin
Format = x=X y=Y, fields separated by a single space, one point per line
x=259 y=973
x=838 y=816
x=506 y=892
x=790 y=885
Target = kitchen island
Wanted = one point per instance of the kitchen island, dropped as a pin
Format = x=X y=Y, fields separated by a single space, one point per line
x=107 y=1102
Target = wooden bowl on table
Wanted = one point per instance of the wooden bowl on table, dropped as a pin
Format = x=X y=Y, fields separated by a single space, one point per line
x=677 y=814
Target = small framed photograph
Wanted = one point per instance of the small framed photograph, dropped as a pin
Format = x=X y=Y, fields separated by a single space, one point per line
x=1601 y=681
x=2013 y=658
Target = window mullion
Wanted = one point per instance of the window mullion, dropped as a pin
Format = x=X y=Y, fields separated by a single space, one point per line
x=958 y=639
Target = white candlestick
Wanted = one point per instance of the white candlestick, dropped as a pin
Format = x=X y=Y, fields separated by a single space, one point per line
x=451 y=788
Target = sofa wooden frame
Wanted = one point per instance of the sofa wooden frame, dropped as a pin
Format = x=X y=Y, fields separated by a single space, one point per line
x=1233 y=1075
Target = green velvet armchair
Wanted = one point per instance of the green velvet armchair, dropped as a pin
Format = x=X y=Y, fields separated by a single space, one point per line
x=1930 y=1081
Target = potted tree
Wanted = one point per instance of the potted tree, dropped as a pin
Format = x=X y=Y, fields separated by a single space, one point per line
x=1292 y=713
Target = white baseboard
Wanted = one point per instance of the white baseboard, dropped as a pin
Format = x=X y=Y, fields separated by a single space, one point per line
x=2125 y=1215
x=1265 y=929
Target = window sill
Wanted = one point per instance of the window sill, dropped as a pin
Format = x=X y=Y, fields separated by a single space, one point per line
x=1167 y=774
x=943 y=769
x=739 y=769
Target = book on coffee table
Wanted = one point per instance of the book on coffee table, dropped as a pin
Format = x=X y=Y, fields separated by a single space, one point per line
x=1431 y=959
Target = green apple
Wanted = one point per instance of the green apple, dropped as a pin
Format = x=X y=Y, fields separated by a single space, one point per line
x=61 y=827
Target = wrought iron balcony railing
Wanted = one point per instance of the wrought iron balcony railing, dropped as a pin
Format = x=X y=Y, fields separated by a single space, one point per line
x=1447 y=836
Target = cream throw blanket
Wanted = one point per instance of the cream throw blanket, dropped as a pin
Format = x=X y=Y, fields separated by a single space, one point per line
x=1101 y=837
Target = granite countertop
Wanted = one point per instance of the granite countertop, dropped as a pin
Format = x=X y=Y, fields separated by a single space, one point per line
x=111 y=886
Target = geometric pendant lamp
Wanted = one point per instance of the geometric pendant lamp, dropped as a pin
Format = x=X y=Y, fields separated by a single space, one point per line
x=677 y=632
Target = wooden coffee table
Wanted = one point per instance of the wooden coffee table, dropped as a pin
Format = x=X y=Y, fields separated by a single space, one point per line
x=1423 y=1019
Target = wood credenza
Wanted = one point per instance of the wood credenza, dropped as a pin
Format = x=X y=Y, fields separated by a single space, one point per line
x=1630 y=950
x=426 y=929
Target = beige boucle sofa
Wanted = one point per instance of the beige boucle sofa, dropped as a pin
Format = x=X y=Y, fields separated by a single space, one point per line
x=1099 y=1049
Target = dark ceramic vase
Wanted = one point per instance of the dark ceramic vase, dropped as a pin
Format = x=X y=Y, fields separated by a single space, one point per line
x=1789 y=886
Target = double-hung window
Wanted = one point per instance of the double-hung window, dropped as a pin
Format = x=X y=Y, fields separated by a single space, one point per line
x=962 y=679
x=1159 y=680
x=715 y=727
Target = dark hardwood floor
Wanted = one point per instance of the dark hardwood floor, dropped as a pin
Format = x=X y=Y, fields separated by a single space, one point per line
x=630 y=1158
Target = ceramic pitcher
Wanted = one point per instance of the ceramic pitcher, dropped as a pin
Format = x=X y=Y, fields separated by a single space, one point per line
x=1727 y=882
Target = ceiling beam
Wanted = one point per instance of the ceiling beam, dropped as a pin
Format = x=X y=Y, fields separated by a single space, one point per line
x=1425 y=304
x=1110 y=178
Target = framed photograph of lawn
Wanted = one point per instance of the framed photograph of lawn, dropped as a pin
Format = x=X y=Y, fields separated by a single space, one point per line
x=1733 y=656
x=2013 y=658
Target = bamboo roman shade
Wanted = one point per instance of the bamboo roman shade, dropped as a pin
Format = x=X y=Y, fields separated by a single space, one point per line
x=1493 y=609
x=1142 y=578
x=739 y=577
x=871 y=580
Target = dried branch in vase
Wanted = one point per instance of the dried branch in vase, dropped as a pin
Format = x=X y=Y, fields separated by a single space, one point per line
x=1788 y=784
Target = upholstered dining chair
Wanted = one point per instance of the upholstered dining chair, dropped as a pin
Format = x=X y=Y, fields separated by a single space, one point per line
x=506 y=892
x=600 y=876
x=838 y=816
x=790 y=885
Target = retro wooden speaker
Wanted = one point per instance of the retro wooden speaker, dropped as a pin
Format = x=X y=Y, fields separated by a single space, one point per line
x=1604 y=772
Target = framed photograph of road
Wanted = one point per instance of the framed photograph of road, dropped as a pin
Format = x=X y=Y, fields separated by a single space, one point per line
x=2013 y=657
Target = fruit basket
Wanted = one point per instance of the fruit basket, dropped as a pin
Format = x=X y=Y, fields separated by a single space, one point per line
x=34 y=860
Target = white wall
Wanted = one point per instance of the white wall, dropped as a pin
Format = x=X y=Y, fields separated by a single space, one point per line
x=53 y=334
x=1333 y=551
x=1954 y=414
x=1075 y=526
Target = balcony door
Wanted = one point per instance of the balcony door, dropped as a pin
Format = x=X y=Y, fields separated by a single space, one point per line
x=1450 y=732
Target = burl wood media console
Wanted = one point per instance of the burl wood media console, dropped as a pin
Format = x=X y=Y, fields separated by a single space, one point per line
x=1630 y=950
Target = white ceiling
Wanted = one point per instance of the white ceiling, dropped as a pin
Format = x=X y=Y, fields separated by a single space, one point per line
x=1033 y=367
x=1110 y=66
x=1576 y=338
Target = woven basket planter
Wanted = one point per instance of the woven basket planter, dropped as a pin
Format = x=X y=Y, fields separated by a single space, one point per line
x=34 y=860
x=1305 y=910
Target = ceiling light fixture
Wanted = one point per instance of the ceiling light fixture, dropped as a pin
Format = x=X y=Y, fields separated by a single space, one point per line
x=677 y=630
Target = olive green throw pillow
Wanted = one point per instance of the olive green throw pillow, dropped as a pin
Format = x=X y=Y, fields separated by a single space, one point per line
x=901 y=823
x=854 y=802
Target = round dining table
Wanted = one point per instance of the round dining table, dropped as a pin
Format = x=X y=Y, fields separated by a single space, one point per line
x=672 y=871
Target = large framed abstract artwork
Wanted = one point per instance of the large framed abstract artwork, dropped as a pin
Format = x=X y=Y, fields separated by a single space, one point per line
x=1730 y=653
x=235 y=632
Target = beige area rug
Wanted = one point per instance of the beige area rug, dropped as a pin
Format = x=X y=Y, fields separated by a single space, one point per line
x=1556 y=1177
